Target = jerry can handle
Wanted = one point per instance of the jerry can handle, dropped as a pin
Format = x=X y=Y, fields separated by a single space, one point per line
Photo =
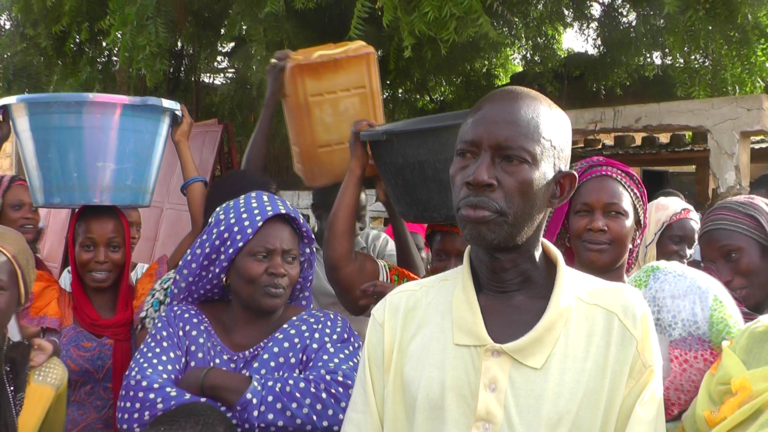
x=355 y=44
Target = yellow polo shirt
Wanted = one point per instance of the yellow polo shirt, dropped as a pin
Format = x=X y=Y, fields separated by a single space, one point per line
x=592 y=363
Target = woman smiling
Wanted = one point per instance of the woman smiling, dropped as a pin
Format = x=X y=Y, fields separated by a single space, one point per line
x=95 y=320
x=673 y=227
x=734 y=248
x=600 y=228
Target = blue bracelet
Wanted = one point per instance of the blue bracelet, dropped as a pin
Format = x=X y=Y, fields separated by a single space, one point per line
x=193 y=180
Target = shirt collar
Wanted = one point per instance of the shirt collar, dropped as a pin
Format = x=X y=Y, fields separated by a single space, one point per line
x=534 y=348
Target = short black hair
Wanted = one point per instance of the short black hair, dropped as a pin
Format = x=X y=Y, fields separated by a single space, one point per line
x=235 y=184
x=192 y=417
x=95 y=211
x=323 y=198
x=435 y=235
x=760 y=183
x=431 y=238
x=668 y=193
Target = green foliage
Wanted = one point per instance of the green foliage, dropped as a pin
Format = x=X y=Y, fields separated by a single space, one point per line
x=711 y=47
x=436 y=55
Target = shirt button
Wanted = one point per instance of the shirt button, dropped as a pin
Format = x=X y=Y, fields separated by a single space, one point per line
x=492 y=388
x=486 y=426
x=496 y=354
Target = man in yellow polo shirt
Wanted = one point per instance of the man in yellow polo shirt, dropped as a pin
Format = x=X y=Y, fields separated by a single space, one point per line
x=513 y=340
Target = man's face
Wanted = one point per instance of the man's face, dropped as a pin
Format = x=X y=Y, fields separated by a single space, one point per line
x=500 y=173
x=134 y=222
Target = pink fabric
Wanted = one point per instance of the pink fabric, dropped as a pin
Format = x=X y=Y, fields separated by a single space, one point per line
x=689 y=359
x=414 y=228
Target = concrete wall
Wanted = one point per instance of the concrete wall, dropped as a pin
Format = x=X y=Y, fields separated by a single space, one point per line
x=730 y=122
x=302 y=200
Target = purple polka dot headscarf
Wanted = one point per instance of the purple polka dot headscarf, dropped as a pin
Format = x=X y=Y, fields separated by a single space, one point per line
x=200 y=276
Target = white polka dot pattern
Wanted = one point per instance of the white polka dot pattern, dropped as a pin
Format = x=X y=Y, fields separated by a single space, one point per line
x=302 y=375
x=200 y=275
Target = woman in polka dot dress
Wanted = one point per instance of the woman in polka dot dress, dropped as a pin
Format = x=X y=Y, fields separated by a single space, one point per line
x=240 y=333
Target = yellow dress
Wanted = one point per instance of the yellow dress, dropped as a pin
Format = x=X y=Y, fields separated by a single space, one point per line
x=734 y=393
x=45 y=401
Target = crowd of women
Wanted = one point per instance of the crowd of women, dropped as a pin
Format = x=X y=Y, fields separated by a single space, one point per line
x=262 y=317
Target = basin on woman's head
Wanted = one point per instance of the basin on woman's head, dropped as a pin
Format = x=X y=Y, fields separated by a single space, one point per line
x=90 y=148
x=413 y=158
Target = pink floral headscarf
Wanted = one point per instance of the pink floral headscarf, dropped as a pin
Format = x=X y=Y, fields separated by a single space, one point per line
x=556 y=230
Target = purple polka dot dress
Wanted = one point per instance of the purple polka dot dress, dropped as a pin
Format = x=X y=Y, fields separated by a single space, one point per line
x=301 y=376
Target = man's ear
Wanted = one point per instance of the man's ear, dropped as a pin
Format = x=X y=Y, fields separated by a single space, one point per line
x=564 y=185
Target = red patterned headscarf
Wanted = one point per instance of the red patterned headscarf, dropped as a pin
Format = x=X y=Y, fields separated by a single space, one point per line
x=556 y=230
x=432 y=228
x=436 y=228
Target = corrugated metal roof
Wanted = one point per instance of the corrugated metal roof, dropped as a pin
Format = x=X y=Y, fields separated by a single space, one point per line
x=609 y=149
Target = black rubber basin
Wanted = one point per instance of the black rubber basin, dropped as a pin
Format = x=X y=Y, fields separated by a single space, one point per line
x=413 y=158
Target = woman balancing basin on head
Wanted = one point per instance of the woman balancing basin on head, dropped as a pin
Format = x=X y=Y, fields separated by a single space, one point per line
x=240 y=332
x=144 y=277
x=94 y=323
x=137 y=269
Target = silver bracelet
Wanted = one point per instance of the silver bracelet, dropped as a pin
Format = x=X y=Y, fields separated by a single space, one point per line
x=202 y=377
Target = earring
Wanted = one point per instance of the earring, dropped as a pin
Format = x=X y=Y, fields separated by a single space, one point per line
x=568 y=240
x=226 y=280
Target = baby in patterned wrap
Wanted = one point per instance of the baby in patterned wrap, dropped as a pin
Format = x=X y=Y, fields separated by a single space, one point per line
x=693 y=314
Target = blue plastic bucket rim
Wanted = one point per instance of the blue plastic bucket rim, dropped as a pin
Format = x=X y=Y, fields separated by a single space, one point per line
x=92 y=97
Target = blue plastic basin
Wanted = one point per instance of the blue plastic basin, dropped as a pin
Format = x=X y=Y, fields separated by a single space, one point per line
x=90 y=148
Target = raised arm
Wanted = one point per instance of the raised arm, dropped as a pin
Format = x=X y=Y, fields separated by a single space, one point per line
x=255 y=157
x=195 y=192
x=346 y=269
x=408 y=256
